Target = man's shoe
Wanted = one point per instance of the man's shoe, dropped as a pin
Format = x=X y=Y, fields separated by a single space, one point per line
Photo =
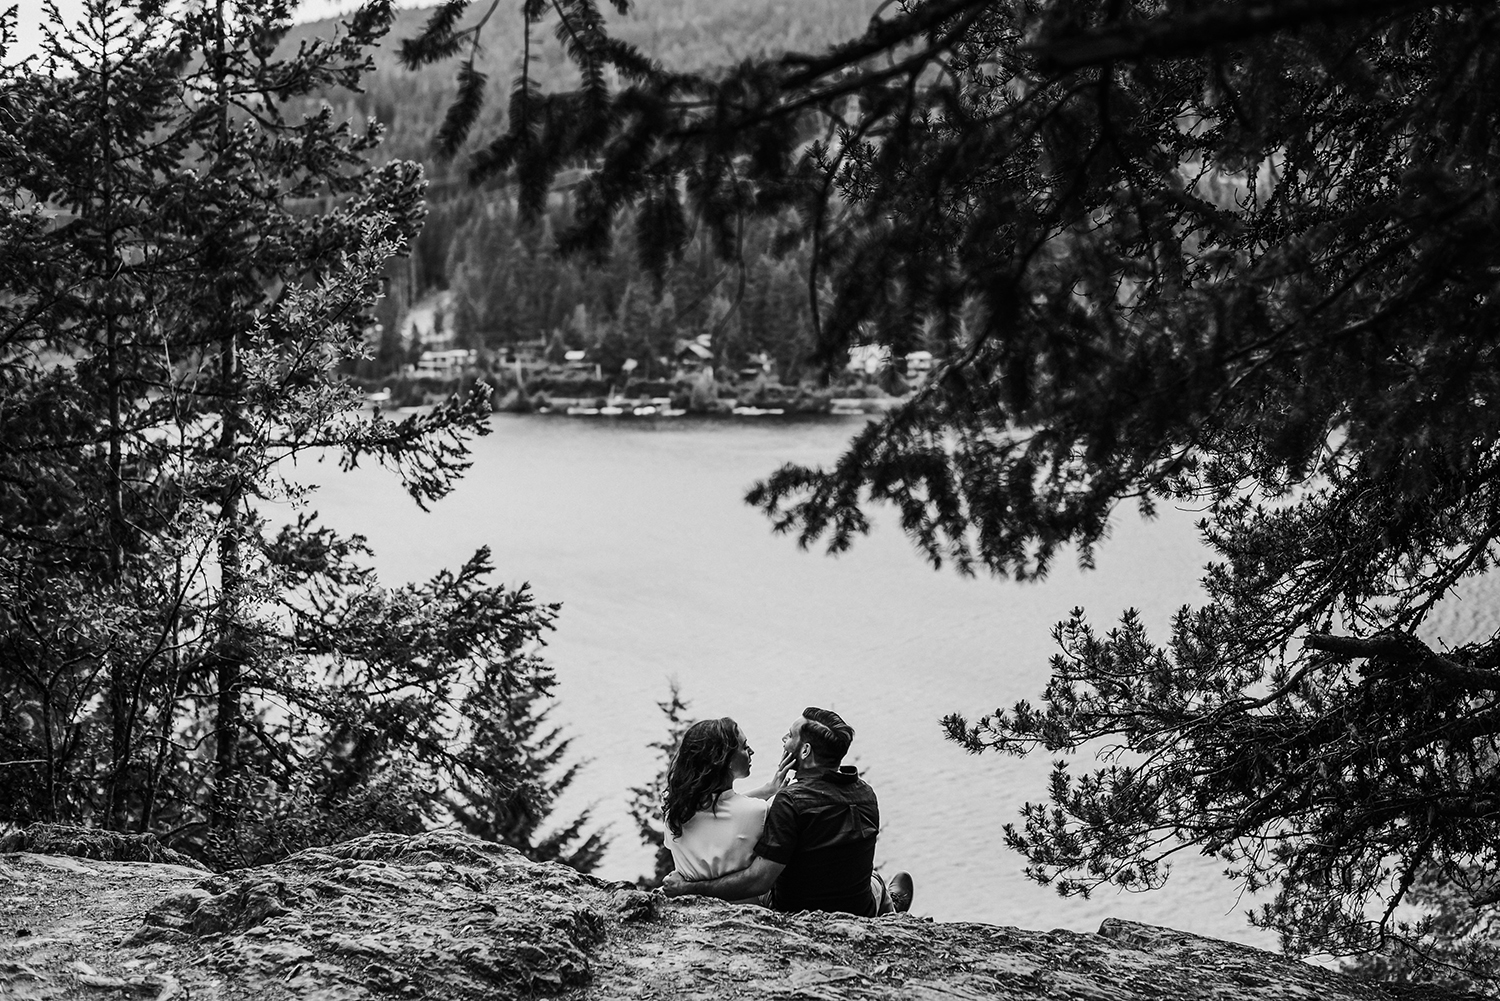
x=900 y=888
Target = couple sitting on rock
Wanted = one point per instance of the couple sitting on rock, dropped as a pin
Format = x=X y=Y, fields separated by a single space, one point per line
x=792 y=845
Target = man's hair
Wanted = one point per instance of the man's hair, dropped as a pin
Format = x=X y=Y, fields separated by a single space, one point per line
x=828 y=734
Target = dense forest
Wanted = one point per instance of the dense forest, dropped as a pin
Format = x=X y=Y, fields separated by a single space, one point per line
x=508 y=282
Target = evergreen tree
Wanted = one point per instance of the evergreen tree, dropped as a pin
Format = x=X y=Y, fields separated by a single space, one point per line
x=516 y=772
x=189 y=250
x=645 y=801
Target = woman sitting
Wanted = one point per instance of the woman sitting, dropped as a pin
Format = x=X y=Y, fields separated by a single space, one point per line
x=711 y=829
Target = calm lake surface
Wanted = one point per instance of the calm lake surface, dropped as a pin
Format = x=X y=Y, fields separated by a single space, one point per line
x=639 y=529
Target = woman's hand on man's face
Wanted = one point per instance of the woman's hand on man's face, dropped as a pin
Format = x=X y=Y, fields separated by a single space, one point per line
x=784 y=771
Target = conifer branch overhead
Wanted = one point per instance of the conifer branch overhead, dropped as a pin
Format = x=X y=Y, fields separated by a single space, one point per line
x=369 y=23
x=1402 y=648
x=463 y=112
x=1193 y=34
x=438 y=40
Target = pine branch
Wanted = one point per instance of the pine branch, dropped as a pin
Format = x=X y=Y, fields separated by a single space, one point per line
x=584 y=44
x=437 y=40
x=1187 y=35
x=629 y=61
x=1401 y=648
x=462 y=113
x=370 y=23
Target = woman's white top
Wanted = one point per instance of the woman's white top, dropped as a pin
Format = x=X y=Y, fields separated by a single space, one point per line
x=719 y=840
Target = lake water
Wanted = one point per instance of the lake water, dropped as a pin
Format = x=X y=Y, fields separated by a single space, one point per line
x=639 y=529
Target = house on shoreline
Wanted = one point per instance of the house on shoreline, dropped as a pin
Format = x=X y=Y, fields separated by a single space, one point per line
x=446 y=364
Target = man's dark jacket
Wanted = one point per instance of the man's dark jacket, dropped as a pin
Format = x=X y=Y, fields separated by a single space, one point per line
x=822 y=828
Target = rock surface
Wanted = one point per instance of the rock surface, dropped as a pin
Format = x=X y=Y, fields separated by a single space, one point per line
x=87 y=842
x=443 y=916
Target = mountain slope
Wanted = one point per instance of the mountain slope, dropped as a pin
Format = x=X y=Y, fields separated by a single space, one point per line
x=682 y=34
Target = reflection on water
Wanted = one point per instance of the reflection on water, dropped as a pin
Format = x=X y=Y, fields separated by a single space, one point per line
x=639 y=529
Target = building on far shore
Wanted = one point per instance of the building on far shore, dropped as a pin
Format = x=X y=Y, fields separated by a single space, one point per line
x=445 y=364
x=868 y=358
x=697 y=351
x=532 y=353
x=918 y=365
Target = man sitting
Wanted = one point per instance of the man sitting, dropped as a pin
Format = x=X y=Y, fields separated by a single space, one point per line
x=817 y=849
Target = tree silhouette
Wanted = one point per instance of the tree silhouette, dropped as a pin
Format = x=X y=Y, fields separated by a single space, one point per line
x=190 y=249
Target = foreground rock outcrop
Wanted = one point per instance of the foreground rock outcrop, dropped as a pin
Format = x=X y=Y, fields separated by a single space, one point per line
x=443 y=916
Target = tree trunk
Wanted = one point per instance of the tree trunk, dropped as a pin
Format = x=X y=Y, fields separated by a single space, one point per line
x=122 y=716
x=231 y=647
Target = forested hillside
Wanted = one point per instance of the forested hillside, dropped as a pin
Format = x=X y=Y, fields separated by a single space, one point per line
x=508 y=283
x=682 y=34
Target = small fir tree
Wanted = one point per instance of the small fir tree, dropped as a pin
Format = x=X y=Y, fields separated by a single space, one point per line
x=515 y=771
x=645 y=801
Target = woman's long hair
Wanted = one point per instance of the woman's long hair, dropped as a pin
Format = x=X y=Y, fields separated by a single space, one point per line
x=698 y=770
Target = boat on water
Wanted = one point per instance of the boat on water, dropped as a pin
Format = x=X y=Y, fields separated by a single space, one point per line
x=619 y=406
x=646 y=410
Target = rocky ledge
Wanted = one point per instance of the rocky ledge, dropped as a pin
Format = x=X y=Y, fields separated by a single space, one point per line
x=443 y=916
